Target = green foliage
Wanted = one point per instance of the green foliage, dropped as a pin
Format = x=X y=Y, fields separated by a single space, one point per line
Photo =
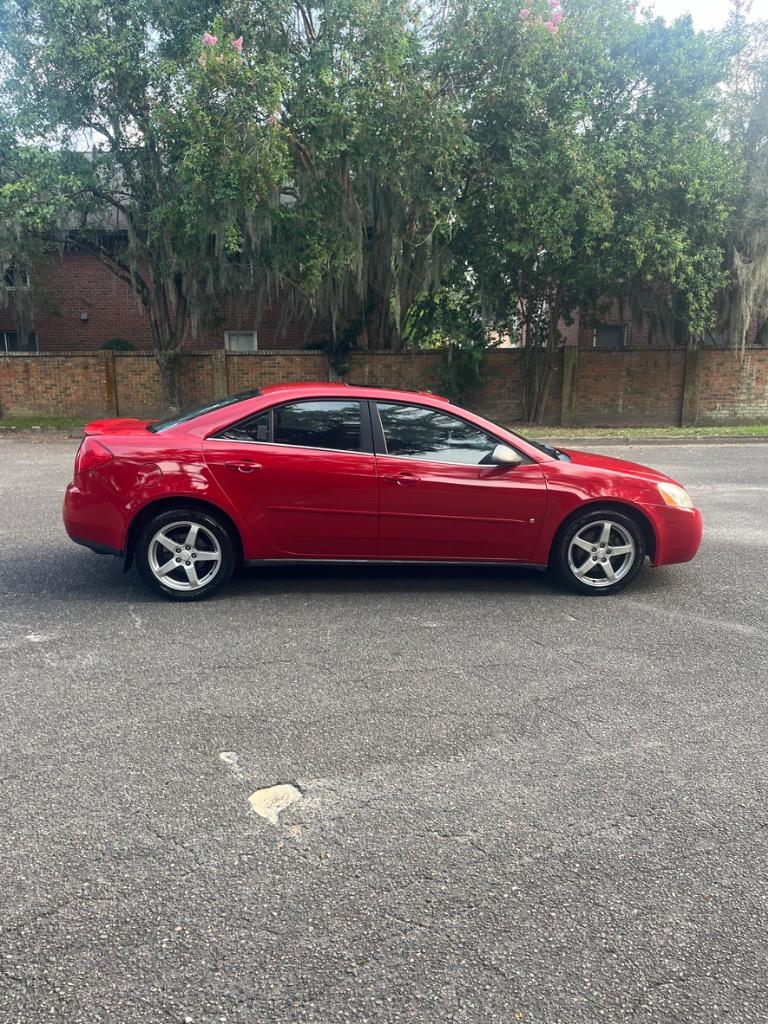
x=407 y=174
x=132 y=139
x=597 y=163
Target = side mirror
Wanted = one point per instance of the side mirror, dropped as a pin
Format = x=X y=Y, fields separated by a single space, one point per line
x=503 y=455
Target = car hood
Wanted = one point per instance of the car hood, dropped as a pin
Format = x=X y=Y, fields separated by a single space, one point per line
x=117 y=426
x=608 y=464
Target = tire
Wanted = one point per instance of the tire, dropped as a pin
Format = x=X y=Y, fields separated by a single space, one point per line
x=599 y=553
x=174 y=544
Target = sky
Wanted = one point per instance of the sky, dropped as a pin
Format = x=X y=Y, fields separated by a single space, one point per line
x=706 y=13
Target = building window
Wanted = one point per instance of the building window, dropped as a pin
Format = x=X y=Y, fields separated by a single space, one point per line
x=15 y=277
x=610 y=336
x=10 y=342
x=240 y=341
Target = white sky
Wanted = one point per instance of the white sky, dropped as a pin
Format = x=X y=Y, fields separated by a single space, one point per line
x=706 y=13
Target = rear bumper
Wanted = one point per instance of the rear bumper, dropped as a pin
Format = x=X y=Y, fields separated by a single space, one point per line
x=99 y=549
x=90 y=518
x=678 y=533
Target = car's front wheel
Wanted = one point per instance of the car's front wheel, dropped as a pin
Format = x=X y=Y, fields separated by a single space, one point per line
x=600 y=552
x=185 y=554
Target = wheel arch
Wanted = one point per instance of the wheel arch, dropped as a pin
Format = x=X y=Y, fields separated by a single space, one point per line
x=153 y=508
x=625 y=507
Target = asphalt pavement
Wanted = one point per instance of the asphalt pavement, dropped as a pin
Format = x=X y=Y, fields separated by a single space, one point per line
x=517 y=804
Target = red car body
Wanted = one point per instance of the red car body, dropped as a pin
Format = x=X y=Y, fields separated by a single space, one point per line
x=298 y=503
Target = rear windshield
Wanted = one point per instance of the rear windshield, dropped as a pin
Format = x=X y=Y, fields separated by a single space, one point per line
x=174 y=421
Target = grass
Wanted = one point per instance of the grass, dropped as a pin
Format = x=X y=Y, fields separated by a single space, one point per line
x=754 y=430
x=42 y=423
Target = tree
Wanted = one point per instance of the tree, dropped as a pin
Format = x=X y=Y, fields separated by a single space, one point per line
x=745 y=299
x=140 y=136
x=595 y=164
x=378 y=151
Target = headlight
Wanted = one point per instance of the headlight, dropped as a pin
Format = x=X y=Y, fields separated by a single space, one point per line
x=673 y=495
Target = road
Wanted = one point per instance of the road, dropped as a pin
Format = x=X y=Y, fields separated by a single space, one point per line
x=518 y=805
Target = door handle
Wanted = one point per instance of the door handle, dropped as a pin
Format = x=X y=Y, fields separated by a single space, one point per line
x=402 y=479
x=243 y=467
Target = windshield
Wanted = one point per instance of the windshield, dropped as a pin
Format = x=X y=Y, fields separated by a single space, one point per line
x=174 y=421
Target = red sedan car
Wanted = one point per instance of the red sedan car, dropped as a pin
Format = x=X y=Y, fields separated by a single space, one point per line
x=339 y=473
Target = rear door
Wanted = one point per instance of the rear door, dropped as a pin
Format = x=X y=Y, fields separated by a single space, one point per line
x=303 y=474
x=441 y=496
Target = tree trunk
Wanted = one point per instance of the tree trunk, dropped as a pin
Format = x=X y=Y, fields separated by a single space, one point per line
x=167 y=336
x=169 y=361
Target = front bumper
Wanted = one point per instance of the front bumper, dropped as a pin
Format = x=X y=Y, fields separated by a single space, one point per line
x=679 y=532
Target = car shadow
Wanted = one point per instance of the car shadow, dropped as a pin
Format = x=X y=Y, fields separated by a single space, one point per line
x=80 y=576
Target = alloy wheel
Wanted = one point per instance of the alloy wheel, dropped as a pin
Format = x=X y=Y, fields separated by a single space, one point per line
x=184 y=556
x=601 y=553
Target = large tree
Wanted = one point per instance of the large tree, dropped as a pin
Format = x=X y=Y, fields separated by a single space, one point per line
x=151 y=141
x=745 y=299
x=203 y=149
x=595 y=168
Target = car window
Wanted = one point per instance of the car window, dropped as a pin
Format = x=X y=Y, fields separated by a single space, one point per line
x=254 y=429
x=415 y=432
x=173 y=421
x=318 y=424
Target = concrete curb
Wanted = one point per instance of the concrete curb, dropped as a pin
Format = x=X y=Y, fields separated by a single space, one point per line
x=639 y=442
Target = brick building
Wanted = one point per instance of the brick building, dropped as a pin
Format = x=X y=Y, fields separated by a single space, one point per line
x=79 y=305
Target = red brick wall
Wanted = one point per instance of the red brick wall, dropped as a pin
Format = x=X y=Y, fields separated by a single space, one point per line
x=137 y=380
x=252 y=371
x=629 y=388
x=54 y=385
x=732 y=388
x=611 y=388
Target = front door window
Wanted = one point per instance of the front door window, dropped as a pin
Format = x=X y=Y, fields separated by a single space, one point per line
x=415 y=432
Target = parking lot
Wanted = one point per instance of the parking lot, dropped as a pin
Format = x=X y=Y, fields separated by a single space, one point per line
x=518 y=805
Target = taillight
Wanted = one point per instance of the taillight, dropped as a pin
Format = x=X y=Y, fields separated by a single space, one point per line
x=90 y=455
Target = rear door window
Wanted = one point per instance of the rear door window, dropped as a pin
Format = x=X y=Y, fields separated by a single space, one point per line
x=319 y=423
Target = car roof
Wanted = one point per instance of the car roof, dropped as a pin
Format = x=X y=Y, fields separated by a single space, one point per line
x=345 y=386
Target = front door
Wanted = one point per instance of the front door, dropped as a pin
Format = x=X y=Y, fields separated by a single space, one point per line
x=441 y=497
x=302 y=477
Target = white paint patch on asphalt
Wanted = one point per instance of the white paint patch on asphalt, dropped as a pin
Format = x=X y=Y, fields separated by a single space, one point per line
x=270 y=803
x=39 y=638
x=231 y=760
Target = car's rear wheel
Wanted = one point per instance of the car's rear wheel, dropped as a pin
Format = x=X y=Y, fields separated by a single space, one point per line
x=601 y=552
x=185 y=554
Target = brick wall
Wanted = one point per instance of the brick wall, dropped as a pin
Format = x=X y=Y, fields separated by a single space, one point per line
x=72 y=385
x=732 y=387
x=253 y=371
x=629 y=388
x=605 y=388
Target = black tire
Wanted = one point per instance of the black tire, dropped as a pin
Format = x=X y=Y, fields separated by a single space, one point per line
x=571 y=570
x=213 y=542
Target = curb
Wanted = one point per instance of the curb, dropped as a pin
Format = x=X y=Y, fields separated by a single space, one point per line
x=639 y=442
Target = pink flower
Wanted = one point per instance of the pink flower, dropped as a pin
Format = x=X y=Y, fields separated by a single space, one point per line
x=525 y=13
x=551 y=27
x=238 y=44
x=209 y=40
x=554 y=4
x=557 y=17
